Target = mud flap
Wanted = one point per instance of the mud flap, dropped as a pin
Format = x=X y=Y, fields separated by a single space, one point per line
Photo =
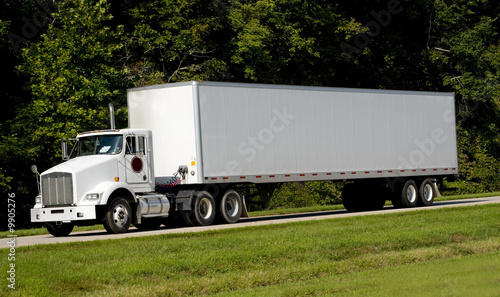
x=435 y=189
x=244 y=211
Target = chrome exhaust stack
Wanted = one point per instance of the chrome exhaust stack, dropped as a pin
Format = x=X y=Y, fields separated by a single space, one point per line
x=112 y=116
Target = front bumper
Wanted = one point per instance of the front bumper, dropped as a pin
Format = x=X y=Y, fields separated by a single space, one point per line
x=64 y=214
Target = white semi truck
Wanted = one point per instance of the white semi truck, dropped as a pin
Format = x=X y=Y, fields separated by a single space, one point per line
x=190 y=146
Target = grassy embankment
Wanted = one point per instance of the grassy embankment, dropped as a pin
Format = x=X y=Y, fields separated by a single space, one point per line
x=433 y=252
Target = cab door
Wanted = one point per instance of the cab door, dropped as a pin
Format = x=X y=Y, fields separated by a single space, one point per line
x=136 y=158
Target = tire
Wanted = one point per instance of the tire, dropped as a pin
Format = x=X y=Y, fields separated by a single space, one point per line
x=203 y=211
x=59 y=230
x=409 y=194
x=118 y=217
x=426 y=193
x=350 y=198
x=396 y=197
x=377 y=202
x=188 y=217
x=363 y=196
x=230 y=207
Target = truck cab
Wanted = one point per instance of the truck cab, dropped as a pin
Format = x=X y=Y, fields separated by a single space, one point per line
x=107 y=176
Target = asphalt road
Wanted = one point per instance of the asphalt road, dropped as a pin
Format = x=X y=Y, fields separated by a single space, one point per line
x=244 y=222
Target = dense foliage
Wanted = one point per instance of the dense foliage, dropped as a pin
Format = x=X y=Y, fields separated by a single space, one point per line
x=63 y=61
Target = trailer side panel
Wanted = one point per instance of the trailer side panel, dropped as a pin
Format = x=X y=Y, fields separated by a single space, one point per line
x=260 y=133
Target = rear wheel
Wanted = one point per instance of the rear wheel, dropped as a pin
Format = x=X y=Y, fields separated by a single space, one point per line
x=363 y=196
x=188 y=217
x=426 y=193
x=118 y=217
x=350 y=198
x=409 y=194
x=230 y=207
x=59 y=230
x=203 y=209
x=377 y=202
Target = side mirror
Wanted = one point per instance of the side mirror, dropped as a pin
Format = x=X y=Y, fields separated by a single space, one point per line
x=35 y=171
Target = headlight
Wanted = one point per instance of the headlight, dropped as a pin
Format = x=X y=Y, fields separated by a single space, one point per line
x=92 y=196
x=38 y=200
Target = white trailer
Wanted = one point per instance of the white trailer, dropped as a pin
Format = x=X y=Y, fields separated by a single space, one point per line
x=200 y=139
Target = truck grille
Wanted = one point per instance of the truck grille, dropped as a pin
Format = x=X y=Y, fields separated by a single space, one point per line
x=57 y=189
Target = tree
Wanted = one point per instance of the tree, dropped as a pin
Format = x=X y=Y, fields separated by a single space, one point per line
x=13 y=22
x=170 y=41
x=285 y=41
x=464 y=50
x=73 y=74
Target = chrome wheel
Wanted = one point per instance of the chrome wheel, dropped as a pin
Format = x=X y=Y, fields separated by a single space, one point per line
x=428 y=193
x=120 y=215
x=411 y=194
x=206 y=208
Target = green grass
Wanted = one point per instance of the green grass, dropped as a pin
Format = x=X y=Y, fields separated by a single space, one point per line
x=474 y=275
x=449 y=252
x=41 y=231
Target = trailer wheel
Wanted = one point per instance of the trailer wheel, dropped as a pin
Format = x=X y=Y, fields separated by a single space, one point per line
x=204 y=208
x=118 y=217
x=59 y=230
x=350 y=198
x=377 y=202
x=360 y=196
x=426 y=193
x=231 y=207
x=409 y=194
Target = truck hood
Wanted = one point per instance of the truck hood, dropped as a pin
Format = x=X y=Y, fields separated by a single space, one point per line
x=82 y=164
x=88 y=172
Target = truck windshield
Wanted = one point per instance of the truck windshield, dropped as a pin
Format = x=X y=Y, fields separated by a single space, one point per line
x=100 y=145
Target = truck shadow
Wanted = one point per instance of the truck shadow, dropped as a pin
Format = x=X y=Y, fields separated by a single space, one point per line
x=387 y=208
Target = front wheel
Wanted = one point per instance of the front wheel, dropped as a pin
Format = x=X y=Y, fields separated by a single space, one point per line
x=118 y=217
x=59 y=230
